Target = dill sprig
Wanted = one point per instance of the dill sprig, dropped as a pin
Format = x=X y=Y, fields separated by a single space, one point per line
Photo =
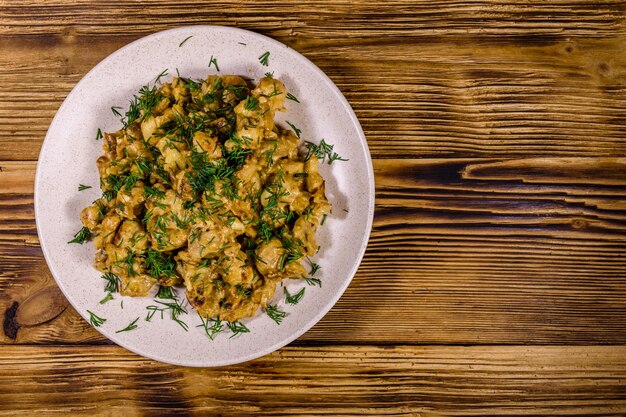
x=314 y=266
x=251 y=103
x=113 y=282
x=322 y=151
x=275 y=314
x=159 y=265
x=165 y=293
x=131 y=326
x=128 y=262
x=153 y=193
x=293 y=251
x=99 y=134
x=213 y=61
x=95 y=320
x=313 y=281
x=211 y=326
x=292 y=98
x=295 y=129
x=183 y=42
x=106 y=299
x=205 y=173
x=82 y=187
x=294 y=299
x=237 y=157
x=175 y=309
x=143 y=165
x=81 y=236
x=237 y=328
x=265 y=58
x=243 y=291
x=147 y=99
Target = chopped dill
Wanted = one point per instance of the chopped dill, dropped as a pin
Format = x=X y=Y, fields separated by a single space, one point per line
x=116 y=110
x=264 y=59
x=95 y=320
x=183 y=42
x=313 y=281
x=106 y=299
x=237 y=328
x=275 y=314
x=165 y=293
x=314 y=266
x=213 y=61
x=294 y=299
x=211 y=326
x=113 y=282
x=81 y=236
x=131 y=326
x=322 y=151
x=295 y=129
x=292 y=98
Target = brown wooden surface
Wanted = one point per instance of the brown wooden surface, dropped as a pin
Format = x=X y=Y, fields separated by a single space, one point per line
x=495 y=277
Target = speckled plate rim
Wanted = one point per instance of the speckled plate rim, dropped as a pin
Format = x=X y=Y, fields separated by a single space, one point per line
x=185 y=30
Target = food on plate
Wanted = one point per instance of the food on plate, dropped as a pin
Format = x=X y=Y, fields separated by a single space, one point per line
x=202 y=189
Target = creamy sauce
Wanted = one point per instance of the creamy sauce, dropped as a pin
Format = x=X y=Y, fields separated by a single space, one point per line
x=202 y=189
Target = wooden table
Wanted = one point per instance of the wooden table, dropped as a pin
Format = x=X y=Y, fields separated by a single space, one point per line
x=495 y=277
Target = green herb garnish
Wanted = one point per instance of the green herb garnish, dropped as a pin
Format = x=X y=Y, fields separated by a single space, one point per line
x=106 y=299
x=95 y=320
x=183 y=42
x=160 y=265
x=237 y=328
x=295 y=129
x=211 y=326
x=322 y=151
x=82 y=187
x=314 y=266
x=275 y=314
x=115 y=111
x=81 y=236
x=153 y=192
x=175 y=308
x=313 y=281
x=292 y=98
x=251 y=103
x=213 y=61
x=131 y=326
x=264 y=59
x=113 y=282
x=295 y=298
x=165 y=293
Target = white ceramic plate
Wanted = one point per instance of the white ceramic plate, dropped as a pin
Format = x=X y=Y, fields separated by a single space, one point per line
x=68 y=158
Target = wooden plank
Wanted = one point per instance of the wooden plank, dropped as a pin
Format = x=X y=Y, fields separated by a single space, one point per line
x=462 y=79
x=494 y=251
x=360 y=19
x=338 y=380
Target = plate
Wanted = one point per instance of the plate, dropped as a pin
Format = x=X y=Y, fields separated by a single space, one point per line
x=70 y=150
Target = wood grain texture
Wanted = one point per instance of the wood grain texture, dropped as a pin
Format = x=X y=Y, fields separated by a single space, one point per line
x=346 y=381
x=426 y=79
x=447 y=235
x=498 y=135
